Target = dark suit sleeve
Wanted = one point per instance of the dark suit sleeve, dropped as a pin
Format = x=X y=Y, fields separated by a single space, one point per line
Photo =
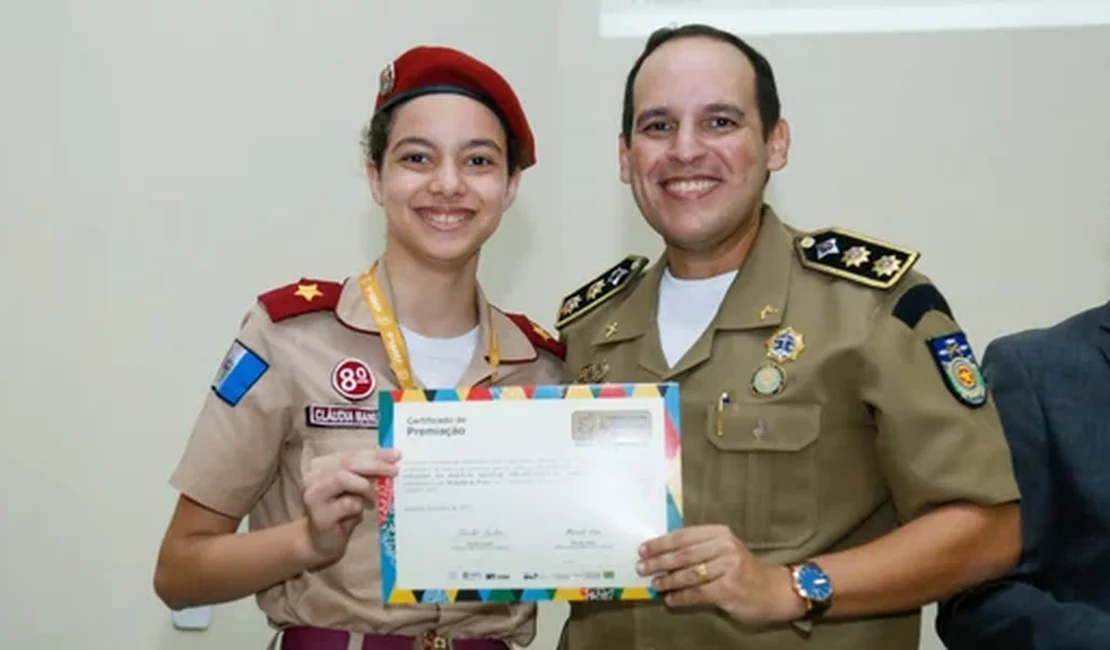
x=1014 y=612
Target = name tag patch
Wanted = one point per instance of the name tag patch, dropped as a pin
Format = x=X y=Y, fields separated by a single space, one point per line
x=346 y=417
x=239 y=372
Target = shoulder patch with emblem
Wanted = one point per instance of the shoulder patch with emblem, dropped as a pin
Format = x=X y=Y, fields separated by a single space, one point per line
x=239 y=371
x=537 y=335
x=956 y=362
x=854 y=257
x=303 y=297
x=596 y=291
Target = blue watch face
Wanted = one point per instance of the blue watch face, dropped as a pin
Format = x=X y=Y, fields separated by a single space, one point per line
x=814 y=583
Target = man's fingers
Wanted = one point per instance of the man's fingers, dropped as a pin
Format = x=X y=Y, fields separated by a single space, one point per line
x=696 y=595
x=694 y=576
x=685 y=556
x=681 y=538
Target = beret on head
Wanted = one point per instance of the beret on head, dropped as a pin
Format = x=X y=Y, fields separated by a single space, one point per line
x=428 y=69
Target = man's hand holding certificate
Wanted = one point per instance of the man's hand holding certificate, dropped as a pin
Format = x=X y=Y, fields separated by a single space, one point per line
x=527 y=493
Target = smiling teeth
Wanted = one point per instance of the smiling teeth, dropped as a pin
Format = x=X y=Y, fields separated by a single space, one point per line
x=444 y=218
x=690 y=187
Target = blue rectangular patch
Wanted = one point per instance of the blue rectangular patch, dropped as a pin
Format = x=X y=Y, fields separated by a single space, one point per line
x=957 y=365
x=240 y=371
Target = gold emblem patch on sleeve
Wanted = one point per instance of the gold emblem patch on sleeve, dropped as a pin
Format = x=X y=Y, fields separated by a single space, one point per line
x=854 y=257
x=599 y=289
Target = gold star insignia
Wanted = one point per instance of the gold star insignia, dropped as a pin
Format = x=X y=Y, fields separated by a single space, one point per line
x=887 y=265
x=308 y=291
x=595 y=289
x=541 y=331
x=856 y=256
x=571 y=304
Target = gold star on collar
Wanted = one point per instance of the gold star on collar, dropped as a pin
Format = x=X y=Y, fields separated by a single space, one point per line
x=308 y=291
x=541 y=331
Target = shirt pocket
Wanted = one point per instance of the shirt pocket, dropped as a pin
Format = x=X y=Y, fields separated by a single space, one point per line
x=763 y=472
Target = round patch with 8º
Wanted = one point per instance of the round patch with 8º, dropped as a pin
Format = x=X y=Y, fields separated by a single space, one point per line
x=353 y=379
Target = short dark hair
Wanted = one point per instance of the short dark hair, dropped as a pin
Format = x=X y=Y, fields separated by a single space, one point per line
x=375 y=137
x=766 y=91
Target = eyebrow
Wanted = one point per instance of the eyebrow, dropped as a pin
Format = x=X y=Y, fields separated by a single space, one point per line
x=424 y=142
x=650 y=114
x=731 y=109
x=717 y=107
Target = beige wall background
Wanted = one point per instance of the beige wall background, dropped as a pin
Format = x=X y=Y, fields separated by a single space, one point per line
x=161 y=163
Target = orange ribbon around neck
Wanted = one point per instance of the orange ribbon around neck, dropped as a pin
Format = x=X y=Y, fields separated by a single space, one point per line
x=391 y=333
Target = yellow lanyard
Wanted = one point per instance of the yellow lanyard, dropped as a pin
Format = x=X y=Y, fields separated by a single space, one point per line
x=392 y=339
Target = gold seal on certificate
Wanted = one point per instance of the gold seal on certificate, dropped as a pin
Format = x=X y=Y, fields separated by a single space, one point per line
x=526 y=493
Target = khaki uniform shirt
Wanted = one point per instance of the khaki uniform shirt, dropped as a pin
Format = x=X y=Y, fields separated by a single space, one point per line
x=830 y=435
x=251 y=458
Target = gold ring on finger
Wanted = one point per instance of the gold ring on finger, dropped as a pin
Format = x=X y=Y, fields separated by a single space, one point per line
x=702 y=572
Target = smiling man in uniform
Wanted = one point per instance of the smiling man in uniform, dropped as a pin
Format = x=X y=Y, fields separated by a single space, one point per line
x=843 y=460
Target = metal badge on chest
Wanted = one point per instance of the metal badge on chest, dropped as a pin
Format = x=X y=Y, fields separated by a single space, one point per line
x=783 y=346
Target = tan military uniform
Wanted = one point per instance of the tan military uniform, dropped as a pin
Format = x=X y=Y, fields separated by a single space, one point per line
x=814 y=419
x=251 y=458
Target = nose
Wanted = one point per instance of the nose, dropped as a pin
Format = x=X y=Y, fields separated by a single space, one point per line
x=686 y=146
x=447 y=181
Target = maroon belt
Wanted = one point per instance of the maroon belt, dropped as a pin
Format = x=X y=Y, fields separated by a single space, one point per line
x=318 y=638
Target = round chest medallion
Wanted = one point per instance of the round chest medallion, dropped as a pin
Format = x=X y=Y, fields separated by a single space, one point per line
x=769 y=379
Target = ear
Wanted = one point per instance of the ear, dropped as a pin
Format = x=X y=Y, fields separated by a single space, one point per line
x=622 y=154
x=373 y=174
x=510 y=189
x=778 y=146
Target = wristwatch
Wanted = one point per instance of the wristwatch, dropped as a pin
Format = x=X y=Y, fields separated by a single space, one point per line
x=814 y=587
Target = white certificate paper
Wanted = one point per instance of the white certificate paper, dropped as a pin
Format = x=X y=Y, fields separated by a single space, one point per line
x=526 y=493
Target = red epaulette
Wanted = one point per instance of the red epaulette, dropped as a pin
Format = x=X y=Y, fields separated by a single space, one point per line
x=299 y=298
x=538 y=336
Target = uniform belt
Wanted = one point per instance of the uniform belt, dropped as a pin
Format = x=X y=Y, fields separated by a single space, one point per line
x=318 y=638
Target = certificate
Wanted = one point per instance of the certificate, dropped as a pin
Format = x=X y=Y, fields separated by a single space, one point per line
x=526 y=493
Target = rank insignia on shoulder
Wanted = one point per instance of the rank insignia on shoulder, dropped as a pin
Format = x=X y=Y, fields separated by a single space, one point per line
x=854 y=257
x=956 y=362
x=303 y=297
x=537 y=335
x=599 y=289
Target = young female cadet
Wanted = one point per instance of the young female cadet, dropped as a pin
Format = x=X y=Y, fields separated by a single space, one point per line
x=288 y=433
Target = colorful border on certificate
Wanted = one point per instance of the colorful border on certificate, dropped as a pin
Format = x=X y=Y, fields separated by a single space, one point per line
x=387 y=538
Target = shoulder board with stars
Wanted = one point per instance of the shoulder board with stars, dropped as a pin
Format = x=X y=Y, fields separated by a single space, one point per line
x=854 y=257
x=538 y=336
x=600 y=289
x=303 y=297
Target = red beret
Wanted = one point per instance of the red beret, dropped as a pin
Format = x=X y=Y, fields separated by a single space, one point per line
x=427 y=69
